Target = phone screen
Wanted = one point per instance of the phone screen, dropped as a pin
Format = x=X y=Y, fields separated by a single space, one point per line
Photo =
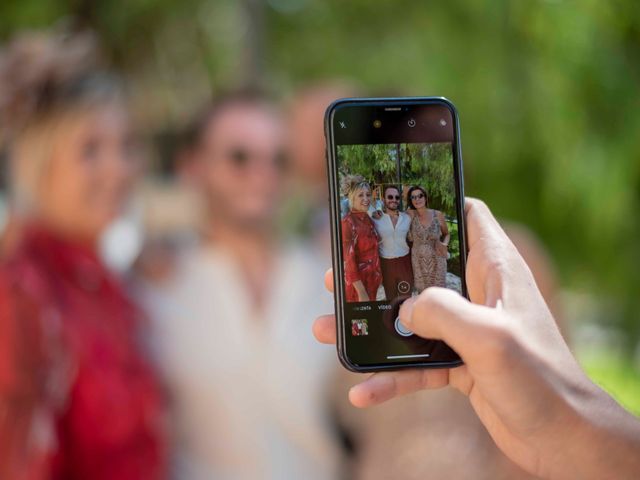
x=396 y=186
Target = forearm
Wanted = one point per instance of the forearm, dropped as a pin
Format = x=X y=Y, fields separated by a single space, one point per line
x=605 y=443
x=614 y=436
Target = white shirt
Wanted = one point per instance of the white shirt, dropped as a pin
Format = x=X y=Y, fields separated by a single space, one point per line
x=248 y=391
x=393 y=243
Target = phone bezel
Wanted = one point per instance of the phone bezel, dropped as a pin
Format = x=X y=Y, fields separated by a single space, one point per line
x=338 y=276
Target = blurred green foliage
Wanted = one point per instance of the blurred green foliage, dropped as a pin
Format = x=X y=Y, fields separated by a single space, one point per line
x=616 y=376
x=548 y=93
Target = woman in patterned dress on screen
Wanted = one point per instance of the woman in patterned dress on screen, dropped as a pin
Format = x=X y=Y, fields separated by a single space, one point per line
x=430 y=237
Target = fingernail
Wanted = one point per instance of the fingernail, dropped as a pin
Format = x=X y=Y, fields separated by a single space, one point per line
x=360 y=398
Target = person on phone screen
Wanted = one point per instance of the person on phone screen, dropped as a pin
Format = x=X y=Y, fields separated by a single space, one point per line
x=430 y=237
x=393 y=226
x=363 y=275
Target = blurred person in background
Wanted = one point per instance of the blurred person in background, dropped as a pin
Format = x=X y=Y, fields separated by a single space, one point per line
x=307 y=211
x=232 y=323
x=78 y=398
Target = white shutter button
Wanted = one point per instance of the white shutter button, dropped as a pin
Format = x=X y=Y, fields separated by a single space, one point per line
x=401 y=329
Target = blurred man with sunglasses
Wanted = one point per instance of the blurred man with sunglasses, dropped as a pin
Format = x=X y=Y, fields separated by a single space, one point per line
x=393 y=226
x=248 y=384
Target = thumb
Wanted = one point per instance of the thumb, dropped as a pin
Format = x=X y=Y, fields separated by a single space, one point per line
x=442 y=314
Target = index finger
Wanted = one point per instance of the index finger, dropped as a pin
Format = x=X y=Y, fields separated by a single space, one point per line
x=481 y=223
x=494 y=265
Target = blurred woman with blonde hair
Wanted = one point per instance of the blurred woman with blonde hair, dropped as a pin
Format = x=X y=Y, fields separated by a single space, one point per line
x=78 y=399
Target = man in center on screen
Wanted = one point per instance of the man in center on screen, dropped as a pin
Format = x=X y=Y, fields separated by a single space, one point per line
x=393 y=226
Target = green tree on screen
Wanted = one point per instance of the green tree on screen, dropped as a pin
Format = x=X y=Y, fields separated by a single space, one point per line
x=427 y=165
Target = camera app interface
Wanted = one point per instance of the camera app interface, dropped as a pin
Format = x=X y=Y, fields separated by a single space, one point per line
x=398 y=226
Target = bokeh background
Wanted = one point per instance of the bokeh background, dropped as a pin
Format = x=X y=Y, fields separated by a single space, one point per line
x=548 y=93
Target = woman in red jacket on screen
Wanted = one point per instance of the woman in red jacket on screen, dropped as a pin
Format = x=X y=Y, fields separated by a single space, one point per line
x=362 y=271
x=78 y=400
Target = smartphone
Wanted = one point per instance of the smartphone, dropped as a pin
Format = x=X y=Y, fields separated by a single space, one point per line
x=397 y=224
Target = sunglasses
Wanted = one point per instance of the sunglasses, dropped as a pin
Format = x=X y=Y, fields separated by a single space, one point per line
x=241 y=158
x=393 y=197
x=417 y=197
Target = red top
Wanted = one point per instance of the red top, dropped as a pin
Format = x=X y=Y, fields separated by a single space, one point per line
x=77 y=398
x=361 y=258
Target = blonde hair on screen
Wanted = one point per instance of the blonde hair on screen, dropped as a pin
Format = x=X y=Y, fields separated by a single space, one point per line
x=351 y=185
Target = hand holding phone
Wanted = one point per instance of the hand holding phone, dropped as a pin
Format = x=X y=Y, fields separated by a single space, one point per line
x=519 y=374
